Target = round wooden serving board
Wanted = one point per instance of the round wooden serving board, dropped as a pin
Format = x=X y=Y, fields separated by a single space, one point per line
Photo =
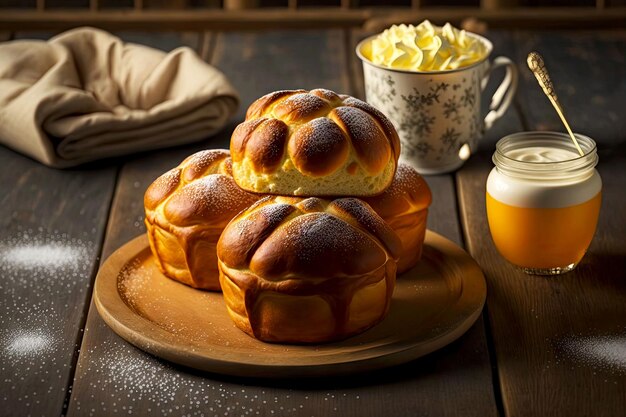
x=433 y=304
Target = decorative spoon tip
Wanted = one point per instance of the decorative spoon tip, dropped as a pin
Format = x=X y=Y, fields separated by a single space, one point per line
x=534 y=61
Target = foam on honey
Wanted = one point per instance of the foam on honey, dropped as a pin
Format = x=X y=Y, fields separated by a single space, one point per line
x=544 y=193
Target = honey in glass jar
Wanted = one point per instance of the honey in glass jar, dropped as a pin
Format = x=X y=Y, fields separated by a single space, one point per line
x=543 y=200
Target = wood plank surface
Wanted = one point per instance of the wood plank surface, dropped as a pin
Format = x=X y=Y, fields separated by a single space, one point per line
x=115 y=378
x=559 y=342
x=51 y=228
x=51 y=239
x=259 y=63
x=589 y=75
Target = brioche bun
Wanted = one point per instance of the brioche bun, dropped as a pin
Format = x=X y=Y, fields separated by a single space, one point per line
x=314 y=143
x=186 y=210
x=309 y=270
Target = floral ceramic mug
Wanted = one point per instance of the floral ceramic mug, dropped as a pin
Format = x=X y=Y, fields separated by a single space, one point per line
x=437 y=113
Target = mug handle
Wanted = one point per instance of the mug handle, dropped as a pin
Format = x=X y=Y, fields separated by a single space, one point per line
x=503 y=96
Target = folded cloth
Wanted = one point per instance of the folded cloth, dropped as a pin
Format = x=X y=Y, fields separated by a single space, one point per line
x=86 y=95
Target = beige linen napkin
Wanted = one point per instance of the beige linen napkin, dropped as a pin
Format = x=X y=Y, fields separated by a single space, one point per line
x=86 y=95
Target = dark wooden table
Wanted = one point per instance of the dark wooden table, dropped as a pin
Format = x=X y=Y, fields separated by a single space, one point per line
x=544 y=346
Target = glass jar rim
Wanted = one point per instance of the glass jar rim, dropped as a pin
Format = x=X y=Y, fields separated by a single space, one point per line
x=551 y=169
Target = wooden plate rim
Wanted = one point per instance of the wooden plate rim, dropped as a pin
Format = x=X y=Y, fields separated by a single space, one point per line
x=125 y=322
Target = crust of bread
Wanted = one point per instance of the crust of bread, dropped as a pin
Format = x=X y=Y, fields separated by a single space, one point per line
x=404 y=207
x=314 y=143
x=309 y=270
x=186 y=210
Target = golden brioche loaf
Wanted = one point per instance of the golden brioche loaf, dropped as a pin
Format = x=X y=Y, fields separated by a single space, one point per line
x=314 y=143
x=404 y=207
x=309 y=270
x=186 y=210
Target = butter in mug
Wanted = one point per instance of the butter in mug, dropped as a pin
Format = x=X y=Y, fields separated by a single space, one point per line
x=424 y=47
x=543 y=201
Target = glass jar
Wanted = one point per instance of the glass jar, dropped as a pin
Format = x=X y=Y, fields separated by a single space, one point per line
x=543 y=200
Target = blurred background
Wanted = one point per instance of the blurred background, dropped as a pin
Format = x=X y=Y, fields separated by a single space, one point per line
x=281 y=14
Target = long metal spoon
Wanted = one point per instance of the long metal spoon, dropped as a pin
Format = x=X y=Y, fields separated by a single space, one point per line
x=538 y=67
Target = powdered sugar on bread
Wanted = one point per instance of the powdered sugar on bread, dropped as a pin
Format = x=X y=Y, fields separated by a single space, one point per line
x=337 y=145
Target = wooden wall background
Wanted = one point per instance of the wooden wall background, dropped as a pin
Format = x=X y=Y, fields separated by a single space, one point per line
x=179 y=4
x=224 y=15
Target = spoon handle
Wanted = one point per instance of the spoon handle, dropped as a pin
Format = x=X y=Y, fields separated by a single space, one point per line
x=538 y=67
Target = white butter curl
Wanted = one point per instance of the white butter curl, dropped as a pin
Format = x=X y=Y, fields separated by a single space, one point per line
x=424 y=48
